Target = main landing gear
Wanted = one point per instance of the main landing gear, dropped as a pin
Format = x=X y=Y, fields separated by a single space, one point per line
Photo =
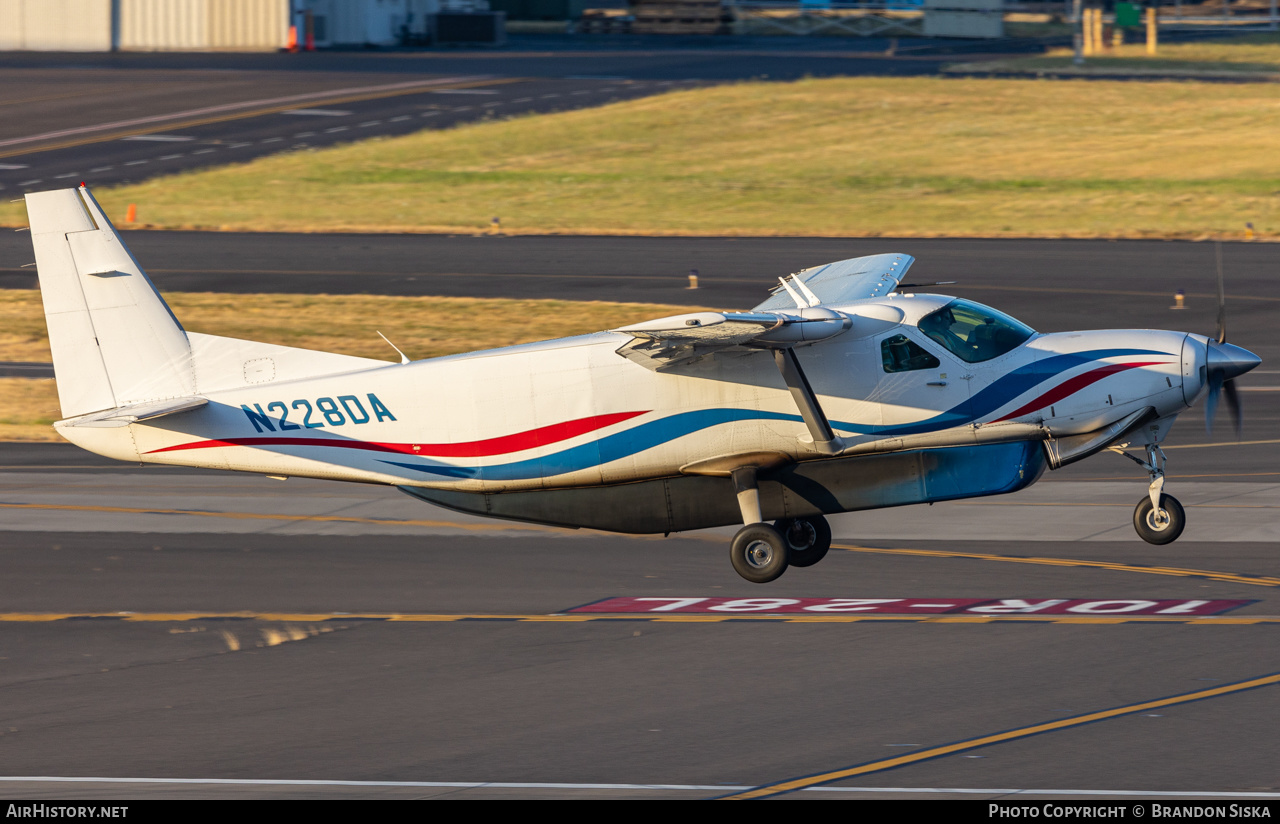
x=1158 y=518
x=761 y=552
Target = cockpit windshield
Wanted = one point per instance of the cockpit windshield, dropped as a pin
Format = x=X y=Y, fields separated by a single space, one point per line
x=973 y=332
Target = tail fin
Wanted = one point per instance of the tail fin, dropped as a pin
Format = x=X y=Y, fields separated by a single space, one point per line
x=114 y=340
x=116 y=345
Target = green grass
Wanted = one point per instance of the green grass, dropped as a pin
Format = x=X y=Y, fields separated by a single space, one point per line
x=838 y=157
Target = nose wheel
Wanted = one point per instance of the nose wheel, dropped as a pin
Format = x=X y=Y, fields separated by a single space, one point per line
x=1158 y=518
x=1160 y=525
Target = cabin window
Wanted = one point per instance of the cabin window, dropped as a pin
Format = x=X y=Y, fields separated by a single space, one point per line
x=973 y=332
x=901 y=354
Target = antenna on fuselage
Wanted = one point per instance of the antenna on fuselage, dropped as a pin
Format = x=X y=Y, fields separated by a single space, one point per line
x=403 y=357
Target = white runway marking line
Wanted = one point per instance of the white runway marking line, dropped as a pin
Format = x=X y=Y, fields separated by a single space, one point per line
x=137 y=162
x=268 y=140
x=369 y=123
x=109 y=168
x=201 y=151
x=158 y=138
x=31 y=182
x=318 y=112
x=335 y=129
x=523 y=100
x=400 y=119
x=464 y=91
x=172 y=156
x=530 y=785
x=68 y=174
x=9 y=167
x=305 y=134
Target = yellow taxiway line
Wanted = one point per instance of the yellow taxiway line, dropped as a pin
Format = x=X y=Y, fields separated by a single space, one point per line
x=1252 y=580
x=1009 y=735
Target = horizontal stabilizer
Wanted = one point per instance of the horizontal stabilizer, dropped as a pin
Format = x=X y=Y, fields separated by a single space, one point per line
x=125 y=415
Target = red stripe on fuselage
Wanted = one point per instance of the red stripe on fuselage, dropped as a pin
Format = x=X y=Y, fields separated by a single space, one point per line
x=1073 y=385
x=506 y=444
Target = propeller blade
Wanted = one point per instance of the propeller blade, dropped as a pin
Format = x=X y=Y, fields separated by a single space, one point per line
x=1211 y=400
x=1233 y=403
x=1221 y=335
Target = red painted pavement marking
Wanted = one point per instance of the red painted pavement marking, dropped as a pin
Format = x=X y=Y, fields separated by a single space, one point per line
x=913 y=606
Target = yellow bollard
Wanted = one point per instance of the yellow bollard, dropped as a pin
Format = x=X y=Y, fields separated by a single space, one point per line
x=693 y=278
x=1152 y=31
x=1086 y=31
x=1179 y=300
x=495 y=227
x=1248 y=231
x=1097 y=30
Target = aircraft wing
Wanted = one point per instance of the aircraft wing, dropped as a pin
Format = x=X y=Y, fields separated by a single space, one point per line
x=873 y=276
x=668 y=342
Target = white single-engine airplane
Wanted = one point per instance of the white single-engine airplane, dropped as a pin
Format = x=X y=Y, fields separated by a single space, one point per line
x=839 y=393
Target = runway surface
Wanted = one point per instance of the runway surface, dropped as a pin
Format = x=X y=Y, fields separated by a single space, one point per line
x=476 y=681
x=200 y=627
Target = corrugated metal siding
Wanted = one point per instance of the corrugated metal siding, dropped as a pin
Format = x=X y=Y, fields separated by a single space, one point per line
x=221 y=25
x=154 y=25
x=55 y=25
x=248 y=24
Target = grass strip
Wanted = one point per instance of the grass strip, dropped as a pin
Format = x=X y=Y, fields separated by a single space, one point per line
x=905 y=157
x=1256 y=54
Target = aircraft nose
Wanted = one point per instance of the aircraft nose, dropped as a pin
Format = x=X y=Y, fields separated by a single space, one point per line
x=1230 y=361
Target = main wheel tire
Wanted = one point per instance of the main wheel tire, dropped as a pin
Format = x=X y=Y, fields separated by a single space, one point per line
x=808 y=539
x=759 y=553
x=1159 y=527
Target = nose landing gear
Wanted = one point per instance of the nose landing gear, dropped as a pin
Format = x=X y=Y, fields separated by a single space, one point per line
x=1158 y=518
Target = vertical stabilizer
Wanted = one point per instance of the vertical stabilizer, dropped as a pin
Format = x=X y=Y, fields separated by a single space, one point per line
x=114 y=340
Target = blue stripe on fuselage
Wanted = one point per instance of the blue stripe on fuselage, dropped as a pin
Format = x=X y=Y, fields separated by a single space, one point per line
x=655 y=433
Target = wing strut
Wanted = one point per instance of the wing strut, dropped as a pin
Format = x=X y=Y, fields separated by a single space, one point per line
x=814 y=418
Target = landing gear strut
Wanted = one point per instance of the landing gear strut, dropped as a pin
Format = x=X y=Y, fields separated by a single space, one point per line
x=1158 y=518
x=758 y=552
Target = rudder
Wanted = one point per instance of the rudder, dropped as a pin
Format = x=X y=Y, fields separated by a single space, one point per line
x=114 y=340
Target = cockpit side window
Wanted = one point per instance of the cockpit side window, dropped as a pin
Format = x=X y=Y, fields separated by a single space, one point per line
x=901 y=354
x=973 y=332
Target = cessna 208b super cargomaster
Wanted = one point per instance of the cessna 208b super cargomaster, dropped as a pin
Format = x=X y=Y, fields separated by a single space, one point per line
x=838 y=393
